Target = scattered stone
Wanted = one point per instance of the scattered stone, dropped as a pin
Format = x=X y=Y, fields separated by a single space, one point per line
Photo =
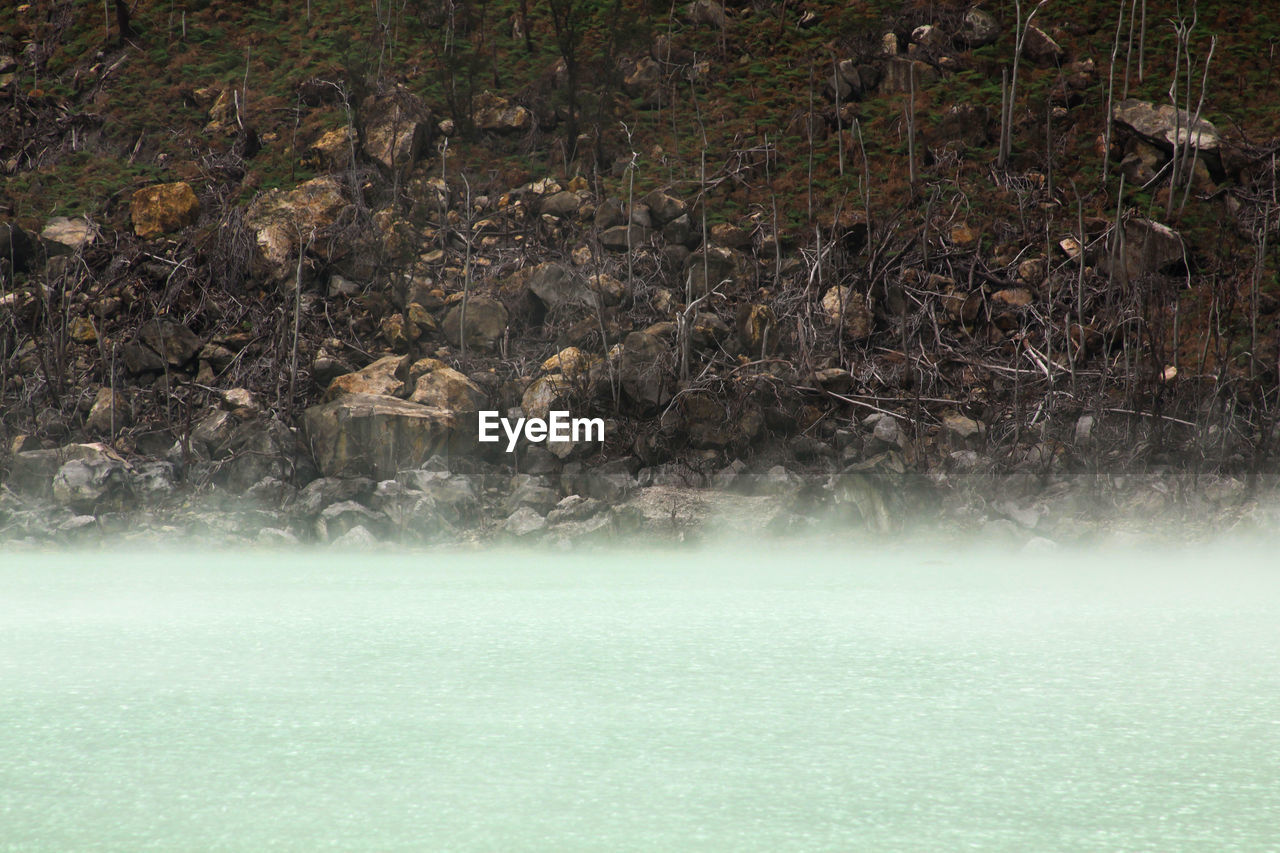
x=898 y=75
x=355 y=539
x=332 y=151
x=563 y=204
x=16 y=246
x=1013 y=297
x=616 y=238
x=338 y=519
x=707 y=13
x=163 y=208
x=1084 y=430
x=664 y=208
x=543 y=394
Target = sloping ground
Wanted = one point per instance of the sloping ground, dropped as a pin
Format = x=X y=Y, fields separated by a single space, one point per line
x=822 y=227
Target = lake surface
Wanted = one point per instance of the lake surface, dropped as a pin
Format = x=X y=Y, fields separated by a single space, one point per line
x=775 y=699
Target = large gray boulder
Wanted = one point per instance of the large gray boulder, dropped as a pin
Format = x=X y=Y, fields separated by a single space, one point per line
x=1164 y=126
x=486 y=323
x=93 y=484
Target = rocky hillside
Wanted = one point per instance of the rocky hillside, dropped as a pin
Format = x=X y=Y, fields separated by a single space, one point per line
x=262 y=242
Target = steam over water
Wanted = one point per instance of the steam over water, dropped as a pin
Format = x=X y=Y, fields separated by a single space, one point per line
x=779 y=699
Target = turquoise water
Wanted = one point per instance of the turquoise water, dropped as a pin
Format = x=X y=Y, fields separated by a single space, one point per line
x=778 y=699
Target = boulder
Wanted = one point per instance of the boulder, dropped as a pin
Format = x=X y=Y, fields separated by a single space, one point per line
x=65 y=236
x=1164 y=126
x=377 y=435
x=543 y=394
x=17 y=247
x=616 y=238
x=556 y=285
x=570 y=361
x=486 y=323
x=1039 y=47
x=898 y=71
x=255 y=450
x=174 y=342
x=716 y=266
x=979 y=28
x=644 y=369
x=341 y=518
x=397 y=126
x=93 y=484
x=524 y=522
x=163 y=208
x=446 y=388
x=31 y=472
x=664 y=208
x=1142 y=247
x=498 y=115
x=282 y=220
x=708 y=13
x=384 y=377
x=641 y=78
x=563 y=204
x=110 y=412
x=331 y=152
x=842 y=305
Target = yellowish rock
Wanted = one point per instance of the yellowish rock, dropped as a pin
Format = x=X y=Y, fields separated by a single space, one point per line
x=163 y=208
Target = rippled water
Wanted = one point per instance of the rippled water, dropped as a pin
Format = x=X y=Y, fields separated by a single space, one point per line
x=772 y=700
